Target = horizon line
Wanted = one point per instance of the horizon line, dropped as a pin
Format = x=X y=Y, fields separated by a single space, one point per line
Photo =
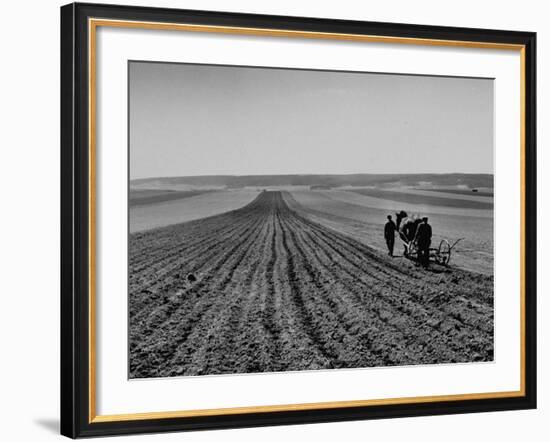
x=311 y=174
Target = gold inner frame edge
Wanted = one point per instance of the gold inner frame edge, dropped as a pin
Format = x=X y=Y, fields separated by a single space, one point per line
x=93 y=24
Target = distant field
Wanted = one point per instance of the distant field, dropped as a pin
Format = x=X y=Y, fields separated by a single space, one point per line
x=443 y=194
x=390 y=206
x=412 y=198
x=201 y=205
x=461 y=192
x=140 y=197
x=449 y=180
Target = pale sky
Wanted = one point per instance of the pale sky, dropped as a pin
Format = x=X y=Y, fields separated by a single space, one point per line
x=220 y=120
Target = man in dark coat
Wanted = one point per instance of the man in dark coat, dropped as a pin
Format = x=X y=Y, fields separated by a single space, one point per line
x=389 y=234
x=423 y=241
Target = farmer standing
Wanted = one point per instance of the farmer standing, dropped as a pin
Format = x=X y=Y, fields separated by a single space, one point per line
x=389 y=234
x=423 y=241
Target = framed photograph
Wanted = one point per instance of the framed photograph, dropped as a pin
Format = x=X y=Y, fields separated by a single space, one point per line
x=274 y=220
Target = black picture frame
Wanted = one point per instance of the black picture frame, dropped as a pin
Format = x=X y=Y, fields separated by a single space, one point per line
x=75 y=220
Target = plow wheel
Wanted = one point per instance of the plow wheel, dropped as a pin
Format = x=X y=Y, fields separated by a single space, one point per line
x=443 y=255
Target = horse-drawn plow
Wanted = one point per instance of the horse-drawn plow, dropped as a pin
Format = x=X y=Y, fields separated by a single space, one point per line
x=440 y=255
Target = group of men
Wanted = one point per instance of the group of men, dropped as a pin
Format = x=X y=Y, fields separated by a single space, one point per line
x=410 y=229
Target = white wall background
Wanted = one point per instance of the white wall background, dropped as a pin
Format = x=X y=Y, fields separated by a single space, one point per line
x=29 y=220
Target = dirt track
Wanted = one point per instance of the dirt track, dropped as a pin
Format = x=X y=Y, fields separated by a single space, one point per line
x=277 y=292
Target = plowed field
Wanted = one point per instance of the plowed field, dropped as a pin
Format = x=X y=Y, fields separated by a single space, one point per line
x=275 y=291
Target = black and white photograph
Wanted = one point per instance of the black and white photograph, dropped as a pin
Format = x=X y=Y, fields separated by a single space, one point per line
x=288 y=220
x=278 y=217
